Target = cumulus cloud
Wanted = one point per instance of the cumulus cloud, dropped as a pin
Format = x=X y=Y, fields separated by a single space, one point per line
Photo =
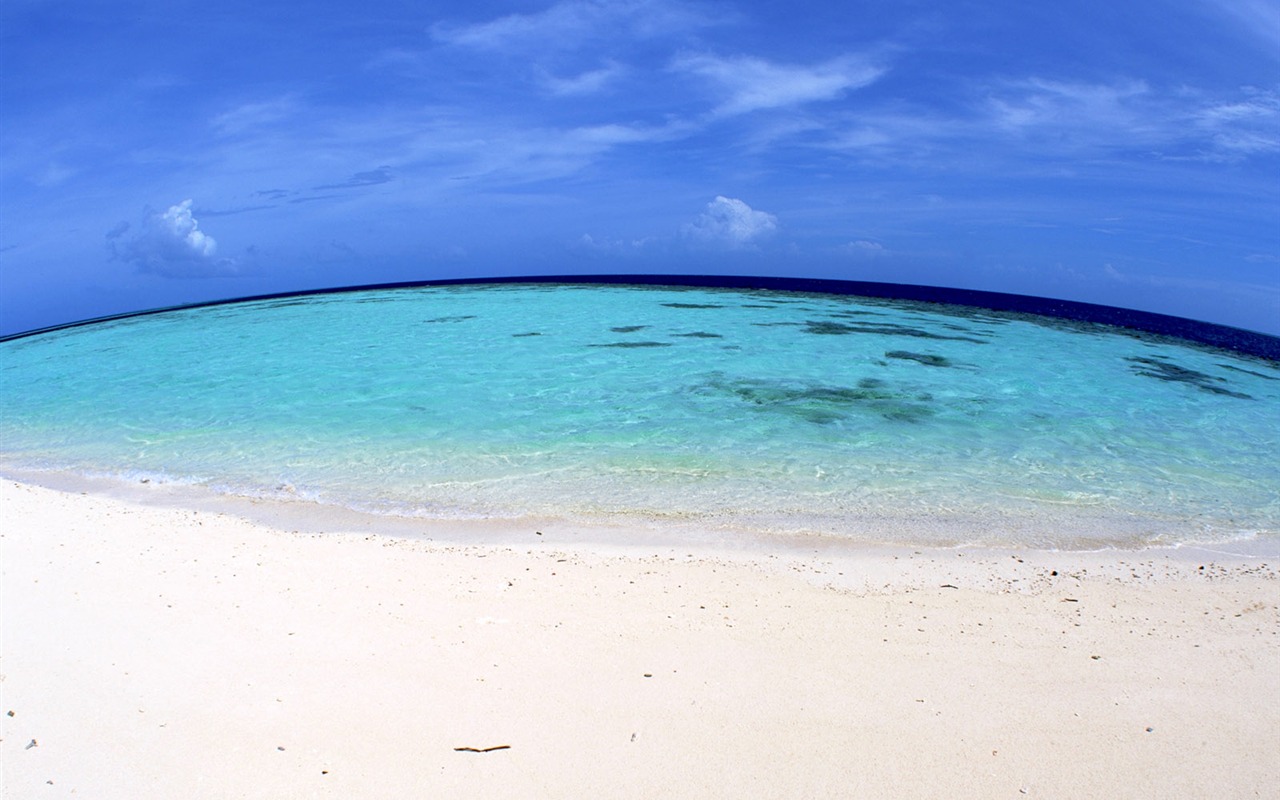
x=753 y=83
x=731 y=222
x=170 y=244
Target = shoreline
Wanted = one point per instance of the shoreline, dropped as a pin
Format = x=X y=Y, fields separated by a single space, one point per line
x=623 y=531
x=163 y=651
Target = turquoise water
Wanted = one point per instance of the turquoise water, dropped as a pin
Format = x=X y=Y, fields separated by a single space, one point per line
x=769 y=411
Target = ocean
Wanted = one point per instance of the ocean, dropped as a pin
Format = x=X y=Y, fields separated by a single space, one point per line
x=752 y=411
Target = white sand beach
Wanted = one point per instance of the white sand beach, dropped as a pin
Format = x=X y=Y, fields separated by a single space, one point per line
x=153 y=652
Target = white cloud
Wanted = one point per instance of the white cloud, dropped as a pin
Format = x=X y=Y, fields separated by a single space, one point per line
x=583 y=83
x=863 y=248
x=753 y=83
x=1269 y=292
x=559 y=22
x=172 y=245
x=566 y=25
x=605 y=245
x=731 y=222
x=1062 y=106
x=1259 y=17
x=1243 y=127
x=53 y=174
x=1070 y=119
x=250 y=117
x=605 y=136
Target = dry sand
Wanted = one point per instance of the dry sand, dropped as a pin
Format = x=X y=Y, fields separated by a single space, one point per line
x=164 y=653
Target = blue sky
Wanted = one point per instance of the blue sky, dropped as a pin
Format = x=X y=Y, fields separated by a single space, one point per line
x=1125 y=153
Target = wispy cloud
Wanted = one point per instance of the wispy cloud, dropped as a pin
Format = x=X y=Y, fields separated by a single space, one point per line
x=1041 y=123
x=1243 y=127
x=429 y=150
x=752 y=84
x=370 y=178
x=170 y=244
x=584 y=83
x=1128 y=115
x=1081 y=110
x=863 y=248
x=250 y=117
x=570 y=24
x=1269 y=293
x=561 y=23
x=1260 y=18
x=730 y=222
x=604 y=245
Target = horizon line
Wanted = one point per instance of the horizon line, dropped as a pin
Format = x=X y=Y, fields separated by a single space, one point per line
x=1213 y=334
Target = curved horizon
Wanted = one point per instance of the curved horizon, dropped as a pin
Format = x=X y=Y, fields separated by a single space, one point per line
x=1239 y=340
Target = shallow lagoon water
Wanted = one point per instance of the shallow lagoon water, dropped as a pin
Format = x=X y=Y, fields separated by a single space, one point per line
x=868 y=419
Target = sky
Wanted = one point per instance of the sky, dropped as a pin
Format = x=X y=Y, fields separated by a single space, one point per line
x=1123 y=153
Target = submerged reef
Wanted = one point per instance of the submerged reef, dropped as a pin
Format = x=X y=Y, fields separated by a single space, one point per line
x=1251 y=372
x=632 y=344
x=821 y=403
x=830 y=328
x=1163 y=370
x=285 y=303
x=928 y=359
x=628 y=328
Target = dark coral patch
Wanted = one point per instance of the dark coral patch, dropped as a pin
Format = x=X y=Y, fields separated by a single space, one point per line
x=1164 y=370
x=699 y=335
x=628 y=328
x=692 y=305
x=823 y=404
x=632 y=344
x=522 y=335
x=458 y=318
x=928 y=359
x=287 y=303
x=856 y=314
x=377 y=298
x=1250 y=372
x=829 y=328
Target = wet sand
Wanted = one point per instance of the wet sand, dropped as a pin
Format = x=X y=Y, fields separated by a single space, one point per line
x=169 y=652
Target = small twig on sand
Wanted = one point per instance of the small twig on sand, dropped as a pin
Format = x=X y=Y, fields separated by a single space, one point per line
x=481 y=749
